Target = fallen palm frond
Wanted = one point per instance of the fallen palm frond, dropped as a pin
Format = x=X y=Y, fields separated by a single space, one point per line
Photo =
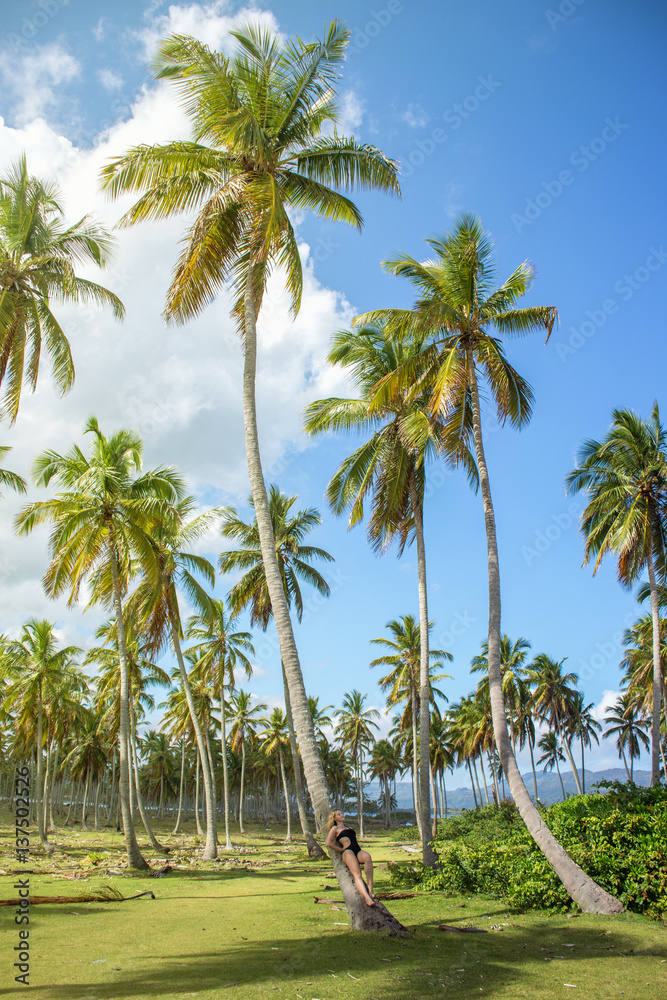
x=464 y=930
x=106 y=894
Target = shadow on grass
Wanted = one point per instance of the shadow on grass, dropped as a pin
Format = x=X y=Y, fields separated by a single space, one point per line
x=463 y=964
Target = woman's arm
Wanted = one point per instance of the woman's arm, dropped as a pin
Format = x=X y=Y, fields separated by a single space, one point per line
x=330 y=841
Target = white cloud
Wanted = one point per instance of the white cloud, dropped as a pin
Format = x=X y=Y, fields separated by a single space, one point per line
x=209 y=22
x=32 y=79
x=109 y=80
x=415 y=116
x=351 y=113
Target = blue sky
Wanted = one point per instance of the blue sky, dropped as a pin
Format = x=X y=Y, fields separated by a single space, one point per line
x=545 y=121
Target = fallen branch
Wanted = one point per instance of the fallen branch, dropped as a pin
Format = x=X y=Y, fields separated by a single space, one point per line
x=464 y=930
x=106 y=895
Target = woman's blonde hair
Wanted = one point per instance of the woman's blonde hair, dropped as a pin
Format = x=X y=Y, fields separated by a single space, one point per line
x=331 y=822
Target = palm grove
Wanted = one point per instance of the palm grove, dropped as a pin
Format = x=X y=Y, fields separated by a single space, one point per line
x=263 y=145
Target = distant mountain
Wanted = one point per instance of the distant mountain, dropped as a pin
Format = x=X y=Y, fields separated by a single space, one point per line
x=548 y=787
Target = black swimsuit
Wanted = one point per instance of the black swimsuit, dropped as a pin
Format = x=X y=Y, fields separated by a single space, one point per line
x=352 y=837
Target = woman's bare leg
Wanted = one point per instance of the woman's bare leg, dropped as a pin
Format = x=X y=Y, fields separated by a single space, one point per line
x=367 y=861
x=350 y=860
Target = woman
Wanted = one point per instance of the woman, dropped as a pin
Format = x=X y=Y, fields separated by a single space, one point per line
x=344 y=840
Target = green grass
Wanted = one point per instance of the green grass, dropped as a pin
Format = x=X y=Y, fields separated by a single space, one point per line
x=224 y=930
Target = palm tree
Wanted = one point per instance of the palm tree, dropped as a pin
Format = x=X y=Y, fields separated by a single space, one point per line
x=37 y=669
x=10 y=479
x=553 y=699
x=274 y=737
x=390 y=467
x=552 y=755
x=101 y=522
x=157 y=609
x=219 y=651
x=581 y=724
x=404 y=684
x=160 y=767
x=37 y=259
x=384 y=763
x=512 y=671
x=638 y=659
x=242 y=730
x=457 y=306
x=88 y=757
x=353 y=730
x=260 y=148
x=625 y=723
x=625 y=476
x=295 y=565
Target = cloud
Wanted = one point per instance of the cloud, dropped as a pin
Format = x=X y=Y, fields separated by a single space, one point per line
x=351 y=113
x=208 y=22
x=32 y=79
x=109 y=80
x=415 y=116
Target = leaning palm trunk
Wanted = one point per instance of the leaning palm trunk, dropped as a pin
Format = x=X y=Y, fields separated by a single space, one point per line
x=288 y=836
x=314 y=849
x=134 y=856
x=362 y=917
x=532 y=764
x=210 y=848
x=429 y=857
x=568 y=754
x=140 y=799
x=583 y=890
x=657 y=673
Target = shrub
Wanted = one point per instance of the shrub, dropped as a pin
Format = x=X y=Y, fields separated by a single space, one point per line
x=619 y=839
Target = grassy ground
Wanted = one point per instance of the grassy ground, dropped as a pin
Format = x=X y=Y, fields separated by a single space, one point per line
x=247 y=927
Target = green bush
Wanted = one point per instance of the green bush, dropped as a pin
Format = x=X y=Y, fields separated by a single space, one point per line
x=618 y=838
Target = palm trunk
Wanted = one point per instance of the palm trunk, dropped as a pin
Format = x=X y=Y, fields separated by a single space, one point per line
x=585 y=892
x=625 y=763
x=180 y=789
x=241 y=830
x=486 y=790
x=140 y=800
x=200 y=832
x=314 y=849
x=472 y=782
x=97 y=799
x=39 y=799
x=434 y=796
x=52 y=821
x=362 y=917
x=532 y=764
x=657 y=673
x=134 y=856
x=583 y=776
x=415 y=759
x=223 y=749
x=288 y=838
x=113 y=790
x=429 y=857
x=568 y=754
x=84 y=805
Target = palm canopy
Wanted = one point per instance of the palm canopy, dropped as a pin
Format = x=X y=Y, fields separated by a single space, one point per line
x=625 y=476
x=553 y=693
x=404 y=434
x=458 y=304
x=259 y=148
x=294 y=558
x=220 y=647
x=38 y=254
x=104 y=507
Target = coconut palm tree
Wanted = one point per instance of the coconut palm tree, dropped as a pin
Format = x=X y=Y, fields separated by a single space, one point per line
x=384 y=764
x=553 y=698
x=218 y=653
x=354 y=726
x=390 y=469
x=465 y=314
x=275 y=736
x=88 y=756
x=38 y=670
x=512 y=670
x=625 y=477
x=581 y=725
x=638 y=661
x=156 y=605
x=10 y=480
x=553 y=753
x=261 y=147
x=295 y=564
x=38 y=254
x=404 y=684
x=101 y=522
x=625 y=722
x=242 y=730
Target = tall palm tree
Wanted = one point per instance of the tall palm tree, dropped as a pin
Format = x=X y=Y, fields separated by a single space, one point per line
x=38 y=669
x=243 y=729
x=38 y=255
x=157 y=609
x=218 y=652
x=275 y=736
x=390 y=468
x=512 y=671
x=581 y=725
x=624 y=721
x=100 y=523
x=458 y=305
x=625 y=477
x=384 y=763
x=403 y=683
x=354 y=726
x=260 y=147
x=553 y=753
x=553 y=699
x=295 y=566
